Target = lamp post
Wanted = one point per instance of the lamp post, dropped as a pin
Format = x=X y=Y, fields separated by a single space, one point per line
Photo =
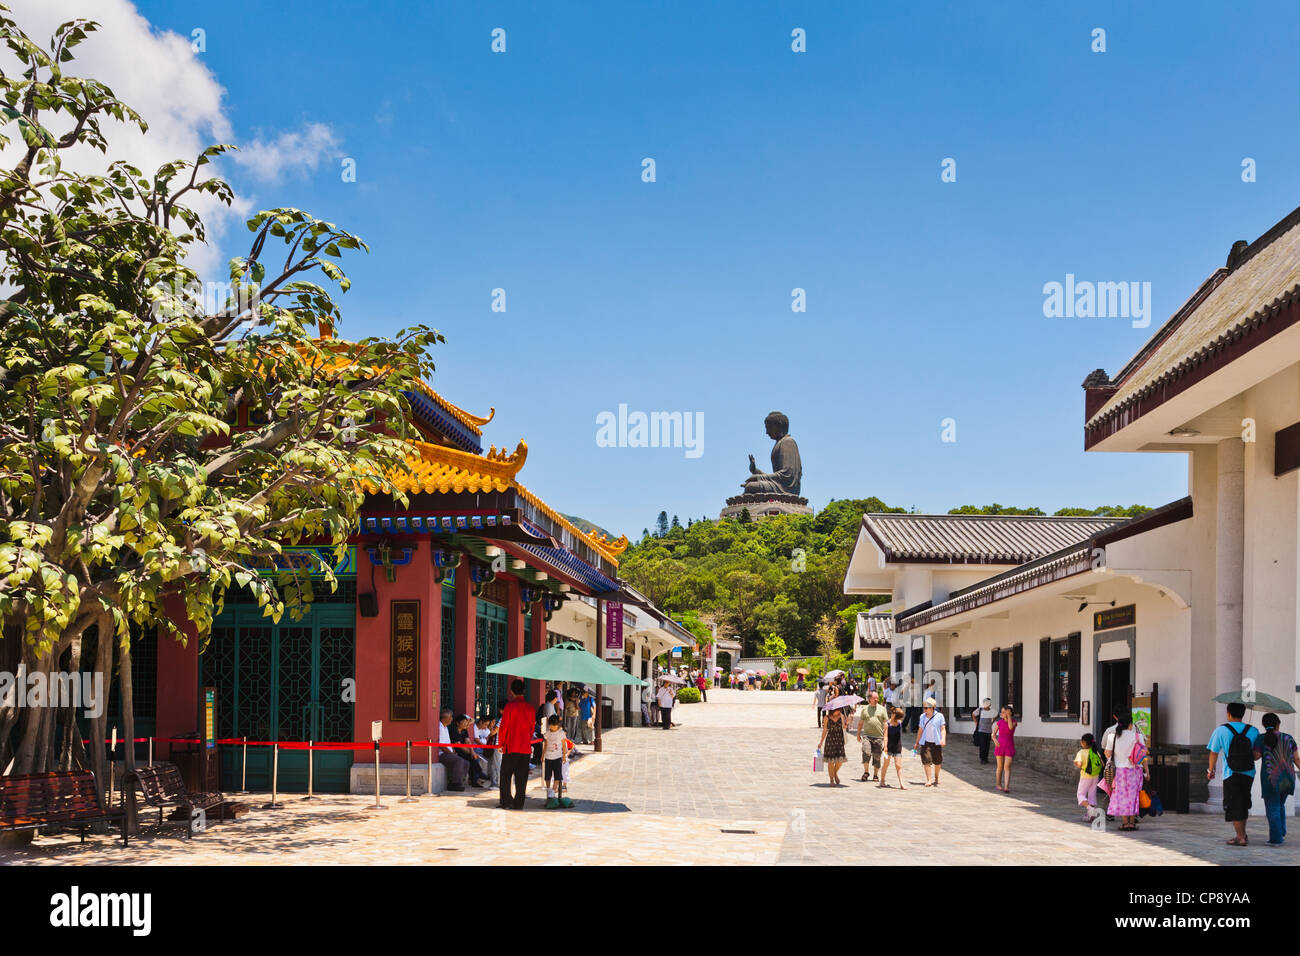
x=600 y=688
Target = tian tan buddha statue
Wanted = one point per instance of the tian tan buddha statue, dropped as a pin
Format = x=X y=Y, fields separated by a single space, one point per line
x=777 y=491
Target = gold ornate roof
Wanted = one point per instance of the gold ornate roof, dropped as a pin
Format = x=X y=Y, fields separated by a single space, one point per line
x=437 y=469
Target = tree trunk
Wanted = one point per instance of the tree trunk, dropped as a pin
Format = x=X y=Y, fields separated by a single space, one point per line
x=31 y=719
x=98 y=725
x=128 y=722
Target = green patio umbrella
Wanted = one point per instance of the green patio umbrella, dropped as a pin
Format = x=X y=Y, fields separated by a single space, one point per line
x=1256 y=700
x=569 y=661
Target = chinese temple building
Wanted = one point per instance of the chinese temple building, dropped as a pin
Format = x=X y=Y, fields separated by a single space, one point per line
x=468 y=572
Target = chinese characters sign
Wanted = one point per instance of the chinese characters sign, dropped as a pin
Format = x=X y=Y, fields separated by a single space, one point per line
x=404 y=681
x=613 y=631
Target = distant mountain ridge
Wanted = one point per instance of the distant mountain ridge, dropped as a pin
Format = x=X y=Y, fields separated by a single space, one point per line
x=589 y=527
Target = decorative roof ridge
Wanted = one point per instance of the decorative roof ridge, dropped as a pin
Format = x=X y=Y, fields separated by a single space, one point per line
x=473 y=422
x=499 y=463
x=610 y=550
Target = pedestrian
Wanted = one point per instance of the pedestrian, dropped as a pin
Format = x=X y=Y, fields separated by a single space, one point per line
x=819 y=701
x=872 y=721
x=911 y=712
x=831 y=745
x=556 y=756
x=1279 y=761
x=571 y=716
x=984 y=717
x=703 y=686
x=1004 y=748
x=1090 y=763
x=666 y=697
x=931 y=736
x=1235 y=741
x=890 y=700
x=871 y=683
x=514 y=737
x=587 y=714
x=1130 y=754
x=893 y=748
x=647 y=696
x=457 y=767
x=798 y=684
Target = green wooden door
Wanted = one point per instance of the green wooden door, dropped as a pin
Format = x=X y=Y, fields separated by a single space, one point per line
x=489 y=648
x=284 y=683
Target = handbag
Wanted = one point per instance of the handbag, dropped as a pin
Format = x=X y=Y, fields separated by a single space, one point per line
x=1144 y=799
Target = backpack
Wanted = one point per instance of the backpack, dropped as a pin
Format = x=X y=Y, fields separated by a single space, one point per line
x=1241 y=756
x=1095 y=764
x=1138 y=753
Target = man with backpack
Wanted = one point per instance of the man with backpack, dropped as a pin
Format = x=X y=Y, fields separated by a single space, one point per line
x=1235 y=740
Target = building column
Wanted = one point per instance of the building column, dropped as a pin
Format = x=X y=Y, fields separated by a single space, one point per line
x=466 y=631
x=539 y=644
x=1229 y=562
x=514 y=620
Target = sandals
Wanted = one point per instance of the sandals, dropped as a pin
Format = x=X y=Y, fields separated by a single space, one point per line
x=864 y=779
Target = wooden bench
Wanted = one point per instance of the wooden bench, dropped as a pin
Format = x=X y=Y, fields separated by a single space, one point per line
x=32 y=801
x=162 y=786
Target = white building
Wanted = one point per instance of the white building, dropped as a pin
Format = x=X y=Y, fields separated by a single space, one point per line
x=1199 y=597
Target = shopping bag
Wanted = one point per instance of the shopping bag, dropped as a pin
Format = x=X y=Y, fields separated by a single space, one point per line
x=564 y=771
x=818 y=764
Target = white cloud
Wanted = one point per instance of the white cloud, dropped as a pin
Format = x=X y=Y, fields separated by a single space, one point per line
x=293 y=151
x=159 y=75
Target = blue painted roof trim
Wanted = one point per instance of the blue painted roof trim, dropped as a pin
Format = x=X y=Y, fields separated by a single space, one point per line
x=573 y=566
x=436 y=415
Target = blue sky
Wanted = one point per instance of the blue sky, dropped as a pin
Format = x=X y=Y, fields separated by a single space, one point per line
x=775 y=170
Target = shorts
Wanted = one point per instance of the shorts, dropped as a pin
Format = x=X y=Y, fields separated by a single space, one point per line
x=554 y=769
x=1236 y=796
x=931 y=754
x=871 y=748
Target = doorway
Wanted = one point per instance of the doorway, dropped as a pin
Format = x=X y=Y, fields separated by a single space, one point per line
x=1113 y=680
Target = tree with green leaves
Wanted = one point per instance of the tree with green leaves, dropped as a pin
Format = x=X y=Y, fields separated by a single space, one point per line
x=661 y=525
x=153 y=452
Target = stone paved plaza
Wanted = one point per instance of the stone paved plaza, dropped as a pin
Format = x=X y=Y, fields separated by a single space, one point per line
x=741 y=762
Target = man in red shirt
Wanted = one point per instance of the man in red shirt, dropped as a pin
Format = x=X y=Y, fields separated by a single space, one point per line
x=515 y=737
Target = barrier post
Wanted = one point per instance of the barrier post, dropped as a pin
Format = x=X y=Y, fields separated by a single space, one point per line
x=275 y=778
x=151 y=751
x=377 y=805
x=311 y=760
x=112 y=765
x=429 y=779
x=408 y=798
x=243 y=772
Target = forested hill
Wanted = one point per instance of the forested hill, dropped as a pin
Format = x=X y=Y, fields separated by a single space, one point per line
x=774 y=576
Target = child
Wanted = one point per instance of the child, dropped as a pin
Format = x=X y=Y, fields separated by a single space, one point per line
x=893 y=748
x=556 y=754
x=1090 y=763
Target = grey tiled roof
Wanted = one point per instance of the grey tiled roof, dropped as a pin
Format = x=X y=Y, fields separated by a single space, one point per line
x=978 y=539
x=875 y=629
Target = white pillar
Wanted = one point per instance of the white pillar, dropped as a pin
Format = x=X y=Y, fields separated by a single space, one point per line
x=1229 y=563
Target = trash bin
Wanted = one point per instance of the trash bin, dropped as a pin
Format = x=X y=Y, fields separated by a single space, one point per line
x=607 y=712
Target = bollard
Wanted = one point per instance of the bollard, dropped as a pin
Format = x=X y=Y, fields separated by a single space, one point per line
x=275 y=778
x=243 y=773
x=151 y=751
x=112 y=765
x=408 y=798
x=311 y=759
x=377 y=805
x=429 y=779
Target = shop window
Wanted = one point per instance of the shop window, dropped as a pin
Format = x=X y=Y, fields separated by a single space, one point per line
x=1058 y=691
